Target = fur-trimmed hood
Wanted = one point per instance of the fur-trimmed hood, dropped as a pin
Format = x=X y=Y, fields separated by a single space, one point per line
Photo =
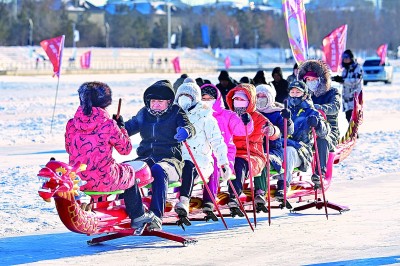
x=250 y=91
x=322 y=70
x=269 y=91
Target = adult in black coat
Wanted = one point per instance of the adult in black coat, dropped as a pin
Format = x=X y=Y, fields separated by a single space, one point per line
x=326 y=98
x=162 y=126
x=226 y=83
x=281 y=85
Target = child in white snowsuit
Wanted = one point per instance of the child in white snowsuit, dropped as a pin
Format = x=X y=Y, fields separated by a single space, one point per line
x=208 y=140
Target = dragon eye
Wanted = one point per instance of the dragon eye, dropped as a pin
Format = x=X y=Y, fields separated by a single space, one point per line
x=59 y=173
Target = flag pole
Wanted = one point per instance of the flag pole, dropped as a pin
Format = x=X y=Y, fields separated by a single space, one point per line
x=55 y=103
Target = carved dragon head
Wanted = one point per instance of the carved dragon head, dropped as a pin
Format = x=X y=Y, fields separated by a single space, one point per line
x=60 y=180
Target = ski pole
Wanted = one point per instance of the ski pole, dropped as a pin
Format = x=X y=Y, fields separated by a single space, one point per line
x=205 y=183
x=119 y=107
x=268 y=176
x=251 y=177
x=319 y=170
x=285 y=137
x=240 y=204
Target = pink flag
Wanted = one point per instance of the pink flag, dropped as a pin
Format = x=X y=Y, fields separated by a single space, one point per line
x=334 y=45
x=382 y=51
x=86 y=59
x=295 y=20
x=227 y=62
x=176 y=64
x=54 y=48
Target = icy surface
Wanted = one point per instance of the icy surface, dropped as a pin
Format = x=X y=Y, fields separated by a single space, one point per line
x=368 y=181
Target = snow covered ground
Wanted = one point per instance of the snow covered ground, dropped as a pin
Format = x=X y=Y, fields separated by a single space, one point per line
x=31 y=232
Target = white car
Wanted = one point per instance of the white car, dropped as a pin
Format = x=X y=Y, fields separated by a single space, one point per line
x=373 y=71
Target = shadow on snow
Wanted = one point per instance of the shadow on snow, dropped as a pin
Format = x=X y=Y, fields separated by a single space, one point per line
x=35 y=248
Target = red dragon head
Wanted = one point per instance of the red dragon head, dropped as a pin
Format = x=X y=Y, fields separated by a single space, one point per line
x=60 y=179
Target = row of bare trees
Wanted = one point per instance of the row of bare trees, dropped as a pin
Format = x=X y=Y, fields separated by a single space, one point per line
x=35 y=21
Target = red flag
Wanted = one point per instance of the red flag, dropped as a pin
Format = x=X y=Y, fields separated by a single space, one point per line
x=334 y=45
x=54 y=48
x=382 y=51
x=175 y=63
x=227 y=62
x=86 y=59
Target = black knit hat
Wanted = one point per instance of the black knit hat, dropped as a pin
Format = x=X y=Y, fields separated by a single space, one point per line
x=349 y=53
x=210 y=90
x=161 y=90
x=259 y=78
x=94 y=94
x=224 y=75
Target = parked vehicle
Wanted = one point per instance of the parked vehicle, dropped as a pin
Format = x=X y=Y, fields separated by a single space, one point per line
x=374 y=71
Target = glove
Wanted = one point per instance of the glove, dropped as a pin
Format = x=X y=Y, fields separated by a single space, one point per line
x=181 y=134
x=270 y=128
x=245 y=118
x=312 y=121
x=119 y=120
x=225 y=172
x=338 y=79
x=285 y=113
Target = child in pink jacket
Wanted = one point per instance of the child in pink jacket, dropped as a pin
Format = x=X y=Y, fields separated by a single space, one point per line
x=230 y=125
x=90 y=138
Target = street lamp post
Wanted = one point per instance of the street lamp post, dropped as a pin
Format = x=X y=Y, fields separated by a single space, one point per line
x=179 y=36
x=107 y=26
x=256 y=37
x=73 y=35
x=169 y=24
x=30 y=32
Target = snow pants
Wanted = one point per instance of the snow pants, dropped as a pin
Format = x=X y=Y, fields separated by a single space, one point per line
x=242 y=171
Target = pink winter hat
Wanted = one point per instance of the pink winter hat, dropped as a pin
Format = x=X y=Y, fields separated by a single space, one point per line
x=240 y=94
x=310 y=74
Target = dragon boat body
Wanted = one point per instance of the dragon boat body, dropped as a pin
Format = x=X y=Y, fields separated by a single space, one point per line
x=107 y=215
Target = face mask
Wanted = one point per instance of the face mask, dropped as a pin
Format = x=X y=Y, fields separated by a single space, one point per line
x=184 y=102
x=261 y=103
x=240 y=103
x=294 y=101
x=240 y=110
x=209 y=104
x=313 y=85
x=157 y=113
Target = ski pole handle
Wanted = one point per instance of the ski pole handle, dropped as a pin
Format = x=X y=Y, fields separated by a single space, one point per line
x=119 y=107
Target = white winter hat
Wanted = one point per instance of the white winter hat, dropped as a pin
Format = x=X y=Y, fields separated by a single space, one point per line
x=189 y=87
x=268 y=90
x=240 y=94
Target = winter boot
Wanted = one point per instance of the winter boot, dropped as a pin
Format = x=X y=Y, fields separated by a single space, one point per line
x=156 y=224
x=234 y=208
x=260 y=199
x=261 y=203
x=279 y=193
x=316 y=180
x=141 y=221
x=182 y=207
x=208 y=207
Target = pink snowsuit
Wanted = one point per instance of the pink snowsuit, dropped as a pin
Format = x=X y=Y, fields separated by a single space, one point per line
x=230 y=125
x=90 y=140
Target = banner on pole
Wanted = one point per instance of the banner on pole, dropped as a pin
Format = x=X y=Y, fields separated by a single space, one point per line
x=333 y=46
x=295 y=20
x=54 y=49
x=86 y=59
x=205 y=35
x=176 y=64
x=382 y=52
x=227 y=62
